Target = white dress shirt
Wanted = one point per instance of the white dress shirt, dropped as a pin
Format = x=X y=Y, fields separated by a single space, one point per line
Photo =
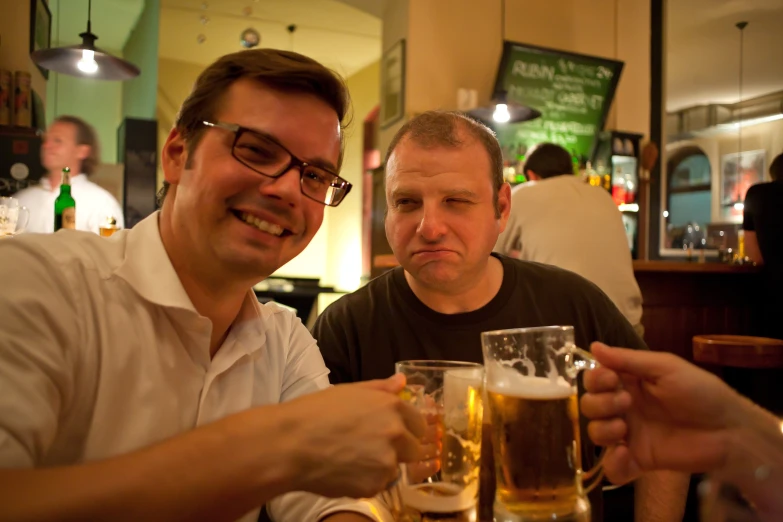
x=565 y=222
x=93 y=205
x=102 y=353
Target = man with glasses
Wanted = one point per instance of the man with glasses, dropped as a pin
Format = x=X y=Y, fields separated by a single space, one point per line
x=140 y=379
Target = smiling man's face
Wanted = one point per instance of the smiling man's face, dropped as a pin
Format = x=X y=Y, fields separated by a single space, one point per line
x=441 y=221
x=231 y=218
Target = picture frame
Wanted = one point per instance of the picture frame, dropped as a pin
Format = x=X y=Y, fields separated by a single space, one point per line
x=393 y=84
x=738 y=172
x=40 y=29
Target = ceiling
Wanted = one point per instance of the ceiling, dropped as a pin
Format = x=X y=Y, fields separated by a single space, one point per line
x=703 y=50
x=343 y=37
x=112 y=21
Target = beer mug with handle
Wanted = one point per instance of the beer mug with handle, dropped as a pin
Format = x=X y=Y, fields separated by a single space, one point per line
x=450 y=394
x=534 y=410
x=13 y=217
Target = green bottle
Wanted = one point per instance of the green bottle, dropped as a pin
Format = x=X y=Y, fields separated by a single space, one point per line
x=64 y=205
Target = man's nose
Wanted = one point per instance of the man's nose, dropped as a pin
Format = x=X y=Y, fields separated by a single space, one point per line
x=286 y=187
x=432 y=226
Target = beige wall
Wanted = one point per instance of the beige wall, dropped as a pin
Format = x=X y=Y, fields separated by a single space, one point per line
x=15 y=42
x=335 y=254
x=344 y=262
x=457 y=43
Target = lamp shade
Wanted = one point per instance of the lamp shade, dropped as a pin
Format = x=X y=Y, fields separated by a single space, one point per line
x=66 y=60
x=517 y=113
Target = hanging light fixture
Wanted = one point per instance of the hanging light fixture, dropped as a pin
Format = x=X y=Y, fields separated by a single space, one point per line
x=741 y=26
x=85 y=60
x=501 y=109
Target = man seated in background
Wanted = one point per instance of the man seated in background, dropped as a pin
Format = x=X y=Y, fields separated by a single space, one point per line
x=560 y=220
x=70 y=142
x=140 y=378
x=446 y=205
x=763 y=226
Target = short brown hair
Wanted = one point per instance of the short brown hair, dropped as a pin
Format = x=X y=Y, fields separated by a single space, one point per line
x=85 y=135
x=280 y=70
x=433 y=129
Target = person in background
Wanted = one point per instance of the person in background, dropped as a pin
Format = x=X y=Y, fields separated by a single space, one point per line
x=763 y=230
x=656 y=411
x=70 y=142
x=560 y=220
x=141 y=379
x=446 y=204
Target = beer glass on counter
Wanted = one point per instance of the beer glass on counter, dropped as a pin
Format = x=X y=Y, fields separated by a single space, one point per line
x=534 y=411
x=450 y=393
x=13 y=217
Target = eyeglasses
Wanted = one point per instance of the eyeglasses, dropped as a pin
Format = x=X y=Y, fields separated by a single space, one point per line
x=265 y=155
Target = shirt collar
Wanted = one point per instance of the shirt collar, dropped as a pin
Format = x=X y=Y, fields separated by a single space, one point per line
x=77 y=179
x=148 y=269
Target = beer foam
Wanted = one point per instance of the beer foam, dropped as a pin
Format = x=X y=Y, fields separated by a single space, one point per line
x=508 y=381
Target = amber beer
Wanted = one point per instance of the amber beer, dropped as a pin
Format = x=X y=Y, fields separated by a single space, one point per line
x=537 y=446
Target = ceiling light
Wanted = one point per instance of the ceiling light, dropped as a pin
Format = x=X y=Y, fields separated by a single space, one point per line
x=85 y=60
x=501 y=110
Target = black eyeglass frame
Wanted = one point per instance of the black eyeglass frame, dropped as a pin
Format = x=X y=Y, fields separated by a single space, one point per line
x=342 y=185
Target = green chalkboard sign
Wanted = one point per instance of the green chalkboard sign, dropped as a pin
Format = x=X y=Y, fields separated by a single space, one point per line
x=572 y=91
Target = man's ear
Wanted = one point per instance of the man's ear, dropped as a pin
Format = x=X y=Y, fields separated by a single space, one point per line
x=174 y=157
x=83 y=152
x=504 y=205
x=532 y=176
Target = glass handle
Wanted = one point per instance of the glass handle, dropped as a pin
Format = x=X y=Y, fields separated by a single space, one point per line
x=22 y=227
x=594 y=474
x=579 y=360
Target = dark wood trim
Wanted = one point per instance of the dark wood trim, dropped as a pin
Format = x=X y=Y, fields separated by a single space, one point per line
x=657 y=20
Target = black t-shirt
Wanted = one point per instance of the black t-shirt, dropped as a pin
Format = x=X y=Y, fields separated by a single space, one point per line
x=764 y=216
x=363 y=334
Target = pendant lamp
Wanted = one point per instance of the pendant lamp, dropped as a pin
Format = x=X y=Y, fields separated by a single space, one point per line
x=85 y=60
x=500 y=109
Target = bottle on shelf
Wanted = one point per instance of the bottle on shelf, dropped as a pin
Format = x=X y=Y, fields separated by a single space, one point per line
x=575 y=162
x=64 y=205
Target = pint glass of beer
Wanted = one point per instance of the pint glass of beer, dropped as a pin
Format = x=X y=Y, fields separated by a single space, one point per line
x=449 y=393
x=533 y=406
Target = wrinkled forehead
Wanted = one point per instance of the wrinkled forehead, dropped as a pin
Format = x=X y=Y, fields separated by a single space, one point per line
x=464 y=167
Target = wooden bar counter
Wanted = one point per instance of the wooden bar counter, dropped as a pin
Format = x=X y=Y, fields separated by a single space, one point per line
x=684 y=299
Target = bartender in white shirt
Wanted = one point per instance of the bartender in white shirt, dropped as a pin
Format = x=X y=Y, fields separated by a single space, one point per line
x=70 y=142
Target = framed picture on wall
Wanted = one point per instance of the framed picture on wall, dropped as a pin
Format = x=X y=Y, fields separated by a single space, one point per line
x=40 y=28
x=393 y=84
x=738 y=171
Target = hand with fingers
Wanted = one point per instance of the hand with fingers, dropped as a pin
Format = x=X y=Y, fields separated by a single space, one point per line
x=351 y=438
x=656 y=411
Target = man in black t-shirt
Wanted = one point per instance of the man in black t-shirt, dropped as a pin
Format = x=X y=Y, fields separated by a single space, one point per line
x=763 y=226
x=447 y=204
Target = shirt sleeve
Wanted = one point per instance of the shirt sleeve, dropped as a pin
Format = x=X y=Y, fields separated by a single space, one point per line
x=305 y=373
x=334 y=344
x=38 y=325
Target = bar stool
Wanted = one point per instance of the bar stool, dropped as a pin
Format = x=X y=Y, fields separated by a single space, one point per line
x=751 y=365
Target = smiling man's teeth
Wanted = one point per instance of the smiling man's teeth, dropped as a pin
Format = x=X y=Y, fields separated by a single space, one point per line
x=260 y=224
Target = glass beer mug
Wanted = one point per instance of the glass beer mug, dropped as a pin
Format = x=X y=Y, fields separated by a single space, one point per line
x=534 y=410
x=13 y=217
x=450 y=391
